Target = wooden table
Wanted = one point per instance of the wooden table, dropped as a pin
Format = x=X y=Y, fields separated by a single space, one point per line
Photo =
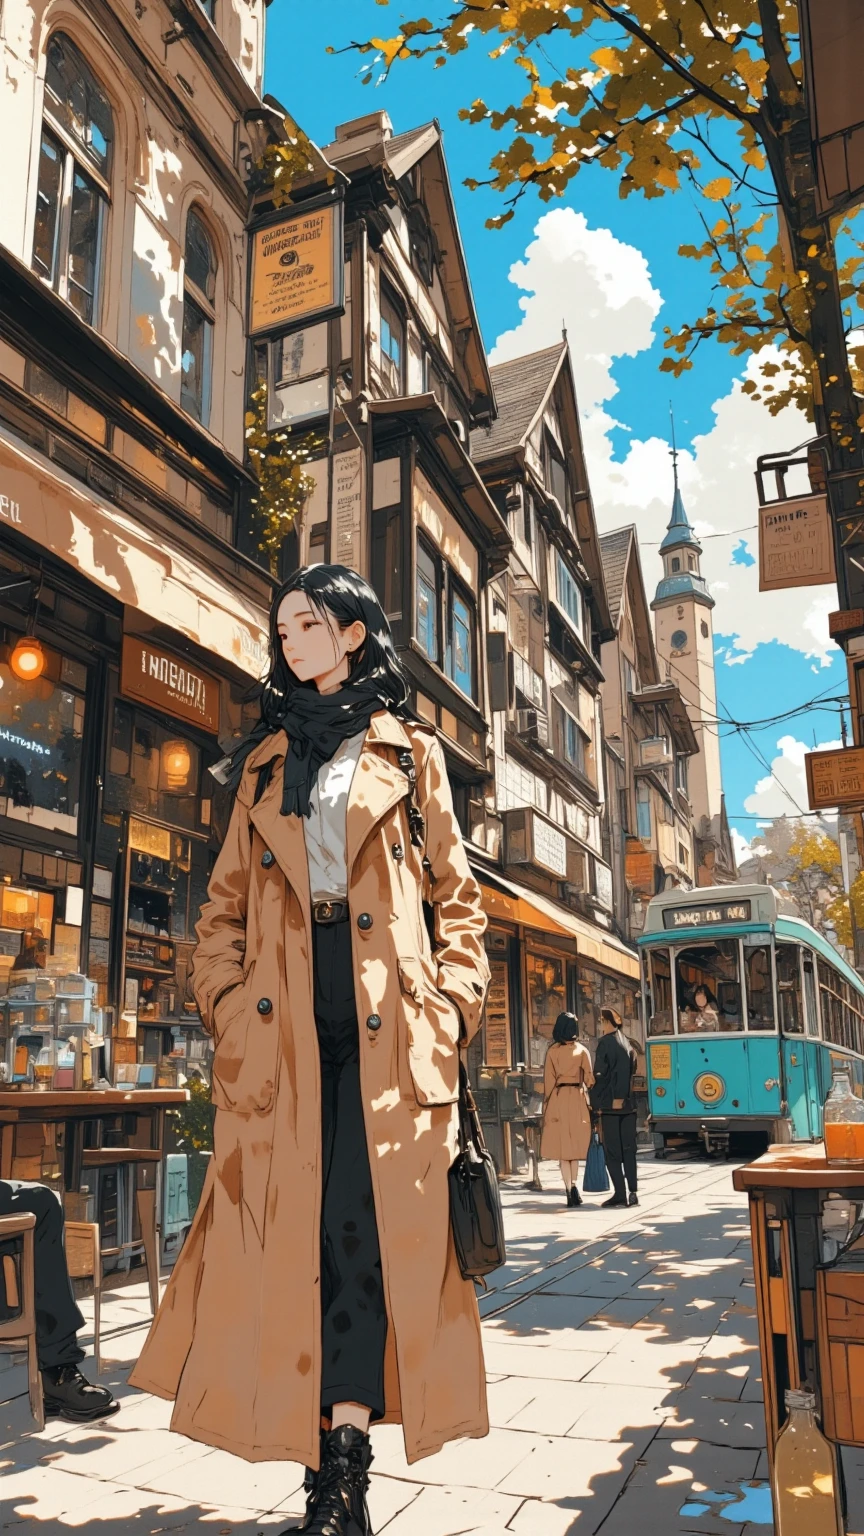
x=811 y=1313
x=86 y=1117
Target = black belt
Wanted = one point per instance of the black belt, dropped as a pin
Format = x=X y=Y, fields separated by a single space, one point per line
x=326 y=912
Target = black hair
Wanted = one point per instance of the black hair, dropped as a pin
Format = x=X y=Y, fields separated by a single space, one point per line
x=566 y=1028
x=338 y=591
x=710 y=998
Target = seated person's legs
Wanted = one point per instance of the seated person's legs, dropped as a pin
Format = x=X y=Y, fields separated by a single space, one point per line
x=58 y=1319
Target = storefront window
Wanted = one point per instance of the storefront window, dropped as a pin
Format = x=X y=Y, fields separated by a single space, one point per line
x=162 y=768
x=41 y=739
x=547 y=997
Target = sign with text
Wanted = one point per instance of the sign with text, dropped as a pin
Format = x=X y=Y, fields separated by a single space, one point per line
x=180 y=688
x=297 y=270
x=796 y=543
x=497 y=1016
x=835 y=779
x=347 y=508
x=707 y=916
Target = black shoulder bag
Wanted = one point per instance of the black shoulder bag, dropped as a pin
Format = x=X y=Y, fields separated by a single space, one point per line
x=476 y=1216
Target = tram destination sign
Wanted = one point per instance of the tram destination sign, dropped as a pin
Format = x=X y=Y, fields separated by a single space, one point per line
x=703 y=917
x=835 y=779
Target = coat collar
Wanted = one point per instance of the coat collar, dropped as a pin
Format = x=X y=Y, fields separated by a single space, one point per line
x=383 y=727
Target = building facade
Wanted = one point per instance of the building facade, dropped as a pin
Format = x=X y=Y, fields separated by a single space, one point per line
x=682 y=607
x=651 y=747
x=131 y=622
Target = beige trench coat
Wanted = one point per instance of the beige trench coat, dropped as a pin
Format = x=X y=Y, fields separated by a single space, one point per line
x=237 y=1340
x=567 y=1075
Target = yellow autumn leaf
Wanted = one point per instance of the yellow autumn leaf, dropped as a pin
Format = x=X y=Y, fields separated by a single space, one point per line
x=668 y=178
x=391 y=47
x=720 y=187
x=609 y=60
x=754 y=157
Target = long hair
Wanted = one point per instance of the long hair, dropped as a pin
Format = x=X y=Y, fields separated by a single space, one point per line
x=340 y=592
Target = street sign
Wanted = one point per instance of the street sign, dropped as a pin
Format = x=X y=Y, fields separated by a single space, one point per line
x=835 y=779
x=796 y=545
x=297 y=269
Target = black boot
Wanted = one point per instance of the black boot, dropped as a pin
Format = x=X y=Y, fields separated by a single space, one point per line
x=70 y=1396
x=310 y=1484
x=337 y=1507
x=575 y=1197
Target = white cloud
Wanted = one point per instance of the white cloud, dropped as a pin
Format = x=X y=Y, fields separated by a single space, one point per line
x=742 y=848
x=783 y=792
x=601 y=289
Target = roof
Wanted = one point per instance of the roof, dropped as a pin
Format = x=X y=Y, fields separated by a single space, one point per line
x=521 y=387
x=615 y=552
x=679 y=531
x=687 y=584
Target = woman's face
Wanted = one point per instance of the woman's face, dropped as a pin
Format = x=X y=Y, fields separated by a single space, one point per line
x=313 y=645
x=700 y=998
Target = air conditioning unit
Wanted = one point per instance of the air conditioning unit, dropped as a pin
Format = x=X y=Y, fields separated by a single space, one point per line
x=533 y=725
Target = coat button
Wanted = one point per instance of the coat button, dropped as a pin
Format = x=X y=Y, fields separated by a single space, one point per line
x=373 y=1022
x=364 y=921
x=265 y=1005
x=268 y=859
x=398 y=852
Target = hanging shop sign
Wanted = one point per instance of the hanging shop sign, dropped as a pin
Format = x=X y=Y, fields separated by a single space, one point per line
x=835 y=779
x=297 y=269
x=178 y=687
x=796 y=544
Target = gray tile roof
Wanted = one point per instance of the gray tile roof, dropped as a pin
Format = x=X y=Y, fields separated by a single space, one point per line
x=520 y=387
x=614 y=552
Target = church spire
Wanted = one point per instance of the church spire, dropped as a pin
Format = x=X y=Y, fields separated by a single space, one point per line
x=679 y=532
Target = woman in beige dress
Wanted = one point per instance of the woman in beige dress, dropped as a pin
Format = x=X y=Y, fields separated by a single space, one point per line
x=566 y=1117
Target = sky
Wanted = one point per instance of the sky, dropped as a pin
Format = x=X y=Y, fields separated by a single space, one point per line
x=608 y=270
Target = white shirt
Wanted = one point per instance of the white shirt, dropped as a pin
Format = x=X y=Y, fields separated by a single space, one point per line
x=325 y=826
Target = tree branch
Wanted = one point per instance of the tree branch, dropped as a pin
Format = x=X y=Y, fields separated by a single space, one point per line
x=699 y=86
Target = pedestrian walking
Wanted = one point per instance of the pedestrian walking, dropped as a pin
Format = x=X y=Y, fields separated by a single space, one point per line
x=612 y=1099
x=318 y=1288
x=566 y=1119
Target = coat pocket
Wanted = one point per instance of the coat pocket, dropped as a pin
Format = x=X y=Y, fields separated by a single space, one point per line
x=243 y=1073
x=433 y=1027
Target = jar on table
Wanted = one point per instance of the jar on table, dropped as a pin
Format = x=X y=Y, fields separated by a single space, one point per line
x=843 y=1121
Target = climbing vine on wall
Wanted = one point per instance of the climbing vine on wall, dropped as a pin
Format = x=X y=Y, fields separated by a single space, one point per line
x=278 y=459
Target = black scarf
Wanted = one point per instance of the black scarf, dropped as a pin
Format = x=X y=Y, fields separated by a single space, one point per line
x=316 y=724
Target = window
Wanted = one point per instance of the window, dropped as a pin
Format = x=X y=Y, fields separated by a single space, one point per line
x=643 y=812
x=199 y=292
x=691 y=563
x=631 y=682
x=708 y=985
x=681 y=772
x=570 y=740
x=73 y=182
x=527 y=511
x=789 y=989
x=460 y=642
x=392 y=346
x=556 y=474
x=164 y=768
x=569 y=596
x=676 y=563
x=41 y=743
x=209 y=8
x=427 y=602
x=757 y=972
x=659 y=992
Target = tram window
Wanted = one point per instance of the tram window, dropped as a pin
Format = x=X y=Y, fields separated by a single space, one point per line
x=659 y=993
x=760 y=993
x=836 y=1017
x=709 y=987
x=789 y=990
x=811 y=1011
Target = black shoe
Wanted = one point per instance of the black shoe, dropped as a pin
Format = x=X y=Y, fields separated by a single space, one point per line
x=613 y=1202
x=337 y=1506
x=634 y=1198
x=69 y=1395
x=310 y=1485
x=575 y=1197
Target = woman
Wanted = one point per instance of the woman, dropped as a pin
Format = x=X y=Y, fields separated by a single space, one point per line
x=704 y=1014
x=566 y=1121
x=318 y=1288
x=612 y=1097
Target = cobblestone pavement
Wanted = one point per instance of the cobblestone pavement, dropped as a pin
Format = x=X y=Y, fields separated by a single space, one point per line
x=624 y=1396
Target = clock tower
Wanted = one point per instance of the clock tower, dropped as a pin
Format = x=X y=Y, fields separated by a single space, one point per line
x=685 y=645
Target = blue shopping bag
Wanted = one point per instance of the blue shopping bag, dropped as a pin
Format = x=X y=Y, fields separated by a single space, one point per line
x=596 y=1180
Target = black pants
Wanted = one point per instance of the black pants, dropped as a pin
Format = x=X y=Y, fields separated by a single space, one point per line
x=353 y=1312
x=619 y=1146
x=57 y=1316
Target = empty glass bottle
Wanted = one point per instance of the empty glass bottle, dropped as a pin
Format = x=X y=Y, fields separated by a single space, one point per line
x=843 y=1121
x=806 y=1501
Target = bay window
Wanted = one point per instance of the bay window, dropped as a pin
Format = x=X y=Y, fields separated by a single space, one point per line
x=73 y=185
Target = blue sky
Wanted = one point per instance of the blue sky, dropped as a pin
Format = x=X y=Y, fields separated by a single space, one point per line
x=616 y=291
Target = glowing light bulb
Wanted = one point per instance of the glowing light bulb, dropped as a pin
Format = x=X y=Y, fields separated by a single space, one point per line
x=28 y=659
x=176 y=761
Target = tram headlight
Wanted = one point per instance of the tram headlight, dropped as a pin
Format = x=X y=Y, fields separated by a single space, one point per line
x=709 y=1088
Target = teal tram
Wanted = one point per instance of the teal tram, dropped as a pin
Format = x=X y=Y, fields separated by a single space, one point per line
x=747 y=1013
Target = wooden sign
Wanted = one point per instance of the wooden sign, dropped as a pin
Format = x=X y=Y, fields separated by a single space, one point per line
x=796 y=543
x=297 y=270
x=497 y=1018
x=835 y=779
x=844 y=620
x=163 y=681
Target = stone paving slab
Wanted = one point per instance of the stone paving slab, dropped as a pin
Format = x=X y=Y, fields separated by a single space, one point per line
x=623 y=1375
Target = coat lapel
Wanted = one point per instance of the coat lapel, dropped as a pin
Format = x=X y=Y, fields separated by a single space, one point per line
x=283 y=835
x=377 y=784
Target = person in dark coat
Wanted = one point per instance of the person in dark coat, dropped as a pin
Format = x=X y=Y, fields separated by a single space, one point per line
x=612 y=1099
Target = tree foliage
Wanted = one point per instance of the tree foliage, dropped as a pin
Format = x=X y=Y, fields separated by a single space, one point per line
x=704 y=95
x=803 y=863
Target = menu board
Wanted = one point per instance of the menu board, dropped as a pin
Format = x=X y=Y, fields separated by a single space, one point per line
x=297 y=269
x=498 y=1016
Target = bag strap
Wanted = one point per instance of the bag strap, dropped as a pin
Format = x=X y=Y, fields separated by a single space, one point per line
x=470 y=1129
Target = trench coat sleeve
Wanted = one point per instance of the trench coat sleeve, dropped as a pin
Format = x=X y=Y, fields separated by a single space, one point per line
x=550 y=1076
x=460 y=922
x=217 y=964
